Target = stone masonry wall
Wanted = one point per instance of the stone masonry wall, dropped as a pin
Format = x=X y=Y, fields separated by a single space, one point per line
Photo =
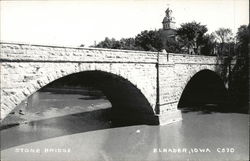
x=175 y=70
x=27 y=68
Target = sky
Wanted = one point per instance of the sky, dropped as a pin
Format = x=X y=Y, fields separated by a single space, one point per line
x=72 y=23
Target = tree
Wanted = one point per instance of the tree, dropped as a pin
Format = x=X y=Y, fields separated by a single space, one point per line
x=109 y=43
x=128 y=44
x=172 y=46
x=190 y=35
x=242 y=38
x=223 y=35
x=225 y=38
x=208 y=45
x=149 y=40
x=240 y=73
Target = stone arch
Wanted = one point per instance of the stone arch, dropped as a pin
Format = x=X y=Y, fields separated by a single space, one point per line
x=129 y=105
x=204 y=88
x=66 y=69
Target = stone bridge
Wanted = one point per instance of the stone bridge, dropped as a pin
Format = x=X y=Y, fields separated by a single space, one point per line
x=149 y=84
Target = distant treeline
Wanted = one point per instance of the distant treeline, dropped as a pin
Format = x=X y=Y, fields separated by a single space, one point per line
x=190 y=38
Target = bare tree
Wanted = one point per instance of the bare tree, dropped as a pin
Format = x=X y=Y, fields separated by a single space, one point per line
x=224 y=36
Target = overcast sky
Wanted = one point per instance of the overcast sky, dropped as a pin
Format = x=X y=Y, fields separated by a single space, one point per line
x=71 y=23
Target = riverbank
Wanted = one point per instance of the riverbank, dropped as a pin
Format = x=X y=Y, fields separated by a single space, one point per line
x=41 y=106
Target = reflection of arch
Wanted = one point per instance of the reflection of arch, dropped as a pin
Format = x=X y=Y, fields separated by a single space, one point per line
x=204 y=88
x=129 y=105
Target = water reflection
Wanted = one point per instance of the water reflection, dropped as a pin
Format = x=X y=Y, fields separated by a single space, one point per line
x=54 y=127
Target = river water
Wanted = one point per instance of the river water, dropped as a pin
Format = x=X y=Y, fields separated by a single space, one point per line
x=74 y=125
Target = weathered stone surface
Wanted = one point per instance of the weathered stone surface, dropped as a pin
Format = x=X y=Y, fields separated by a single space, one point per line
x=27 y=68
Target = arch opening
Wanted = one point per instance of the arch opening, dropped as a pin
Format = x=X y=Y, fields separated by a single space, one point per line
x=129 y=105
x=206 y=92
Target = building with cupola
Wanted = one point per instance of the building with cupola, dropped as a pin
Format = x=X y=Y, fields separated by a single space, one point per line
x=168 y=28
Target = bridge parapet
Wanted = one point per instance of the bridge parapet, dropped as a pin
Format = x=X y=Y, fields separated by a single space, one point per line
x=25 y=52
x=176 y=58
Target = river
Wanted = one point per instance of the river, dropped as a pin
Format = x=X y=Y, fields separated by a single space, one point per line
x=59 y=125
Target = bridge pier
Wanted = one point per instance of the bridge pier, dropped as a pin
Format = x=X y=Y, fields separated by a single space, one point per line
x=167 y=91
x=169 y=116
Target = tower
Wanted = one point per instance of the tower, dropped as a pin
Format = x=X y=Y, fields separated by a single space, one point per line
x=168 y=33
x=168 y=22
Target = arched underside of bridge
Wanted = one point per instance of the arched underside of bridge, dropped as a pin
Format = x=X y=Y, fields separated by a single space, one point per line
x=129 y=105
x=27 y=78
x=204 y=91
